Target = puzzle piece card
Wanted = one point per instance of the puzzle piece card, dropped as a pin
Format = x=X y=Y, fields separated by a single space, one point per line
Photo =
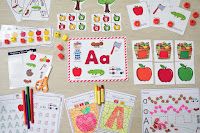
x=16 y=6
x=163 y=51
x=176 y=19
x=117 y=112
x=142 y=50
x=139 y=15
x=143 y=73
x=16 y=62
x=185 y=72
x=106 y=22
x=72 y=21
x=97 y=59
x=164 y=73
x=36 y=10
x=170 y=110
x=184 y=50
x=82 y=112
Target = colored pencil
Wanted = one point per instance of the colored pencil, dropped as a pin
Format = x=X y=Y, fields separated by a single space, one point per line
x=99 y=95
x=102 y=94
x=24 y=105
x=32 y=106
x=95 y=93
x=28 y=102
x=27 y=118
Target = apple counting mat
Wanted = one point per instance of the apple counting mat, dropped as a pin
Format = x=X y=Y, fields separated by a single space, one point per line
x=165 y=14
x=173 y=62
x=82 y=112
x=117 y=112
x=97 y=59
x=31 y=67
x=173 y=110
x=72 y=21
x=47 y=112
x=106 y=22
x=16 y=36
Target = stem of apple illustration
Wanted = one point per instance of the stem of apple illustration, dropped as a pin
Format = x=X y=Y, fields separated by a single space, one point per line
x=183 y=65
x=162 y=66
x=142 y=66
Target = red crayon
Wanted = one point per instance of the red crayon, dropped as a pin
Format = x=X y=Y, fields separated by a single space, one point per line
x=24 y=106
x=32 y=106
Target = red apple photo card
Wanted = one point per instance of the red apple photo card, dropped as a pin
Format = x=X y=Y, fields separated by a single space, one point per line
x=97 y=59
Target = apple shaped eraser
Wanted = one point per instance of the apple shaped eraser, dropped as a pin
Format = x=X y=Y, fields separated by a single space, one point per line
x=32 y=57
x=57 y=34
x=186 y=5
x=30 y=33
x=60 y=47
x=156 y=20
x=46 y=32
x=30 y=39
x=46 y=38
x=170 y=24
x=195 y=14
x=137 y=23
x=6 y=41
x=61 y=56
x=193 y=22
x=65 y=37
x=38 y=32
x=23 y=41
x=23 y=34
x=39 y=38
x=13 y=39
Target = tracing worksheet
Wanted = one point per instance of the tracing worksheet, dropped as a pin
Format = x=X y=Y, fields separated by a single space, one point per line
x=173 y=110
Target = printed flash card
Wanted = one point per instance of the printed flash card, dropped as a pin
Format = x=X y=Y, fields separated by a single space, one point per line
x=72 y=21
x=139 y=16
x=97 y=59
x=82 y=112
x=36 y=10
x=170 y=110
x=117 y=112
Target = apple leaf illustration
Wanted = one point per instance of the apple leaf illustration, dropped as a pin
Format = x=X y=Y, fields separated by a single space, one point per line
x=142 y=66
x=86 y=110
x=183 y=65
x=162 y=66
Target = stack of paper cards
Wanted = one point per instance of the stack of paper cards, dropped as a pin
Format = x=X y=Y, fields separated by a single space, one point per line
x=17 y=36
x=72 y=21
x=31 y=67
x=82 y=112
x=30 y=9
x=106 y=22
x=117 y=112
x=159 y=13
x=172 y=64
x=171 y=110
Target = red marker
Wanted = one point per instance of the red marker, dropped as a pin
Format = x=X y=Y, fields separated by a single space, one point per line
x=32 y=106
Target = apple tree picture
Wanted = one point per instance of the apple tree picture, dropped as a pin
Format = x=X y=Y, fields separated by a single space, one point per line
x=78 y=4
x=106 y=3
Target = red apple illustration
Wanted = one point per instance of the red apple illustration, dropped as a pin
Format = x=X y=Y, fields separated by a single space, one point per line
x=23 y=34
x=138 y=10
x=61 y=26
x=96 y=27
x=77 y=71
x=71 y=17
x=144 y=73
x=39 y=38
x=32 y=56
x=22 y=40
x=38 y=32
x=165 y=74
x=87 y=121
x=106 y=18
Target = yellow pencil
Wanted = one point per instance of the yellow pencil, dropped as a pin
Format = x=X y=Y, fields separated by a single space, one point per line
x=95 y=93
x=102 y=94
x=99 y=95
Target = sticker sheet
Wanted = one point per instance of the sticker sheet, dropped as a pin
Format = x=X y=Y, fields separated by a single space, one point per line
x=36 y=10
x=97 y=59
x=106 y=22
x=172 y=110
x=72 y=21
x=82 y=112
x=117 y=112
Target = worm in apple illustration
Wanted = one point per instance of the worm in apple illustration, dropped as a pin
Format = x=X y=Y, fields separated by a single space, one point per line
x=77 y=71
x=77 y=51
x=138 y=10
x=144 y=73
x=87 y=121
x=185 y=73
x=165 y=74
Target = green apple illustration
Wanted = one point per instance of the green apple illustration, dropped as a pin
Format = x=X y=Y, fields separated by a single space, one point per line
x=185 y=73
x=116 y=17
x=81 y=26
x=81 y=17
x=107 y=27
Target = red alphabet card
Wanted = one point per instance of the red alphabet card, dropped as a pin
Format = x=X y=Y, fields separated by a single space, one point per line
x=97 y=59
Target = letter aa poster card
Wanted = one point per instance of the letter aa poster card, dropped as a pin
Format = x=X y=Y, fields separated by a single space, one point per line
x=171 y=111
x=97 y=59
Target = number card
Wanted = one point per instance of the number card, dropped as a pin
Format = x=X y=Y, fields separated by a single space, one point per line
x=97 y=59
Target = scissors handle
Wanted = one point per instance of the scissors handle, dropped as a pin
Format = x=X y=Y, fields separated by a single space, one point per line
x=42 y=85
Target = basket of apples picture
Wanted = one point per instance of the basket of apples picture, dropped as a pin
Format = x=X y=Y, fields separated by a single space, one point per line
x=163 y=50
x=142 y=50
x=184 y=50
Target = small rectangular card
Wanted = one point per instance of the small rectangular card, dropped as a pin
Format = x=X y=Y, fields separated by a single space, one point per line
x=97 y=59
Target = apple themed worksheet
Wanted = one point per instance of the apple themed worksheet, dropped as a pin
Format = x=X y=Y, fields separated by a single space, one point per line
x=172 y=110
x=97 y=59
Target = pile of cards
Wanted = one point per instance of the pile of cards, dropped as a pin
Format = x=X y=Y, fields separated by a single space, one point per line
x=17 y=36
x=30 y=66
x=30 y=9
x=160 y=13
x=173 y=62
